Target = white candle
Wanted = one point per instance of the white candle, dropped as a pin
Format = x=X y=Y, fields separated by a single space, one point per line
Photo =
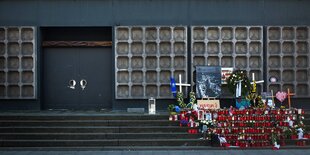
x=239 y=88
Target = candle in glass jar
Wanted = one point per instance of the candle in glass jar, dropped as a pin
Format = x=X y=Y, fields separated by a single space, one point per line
x=299 y=111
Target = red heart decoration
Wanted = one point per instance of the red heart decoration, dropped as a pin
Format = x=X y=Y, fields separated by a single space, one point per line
x=281 y=96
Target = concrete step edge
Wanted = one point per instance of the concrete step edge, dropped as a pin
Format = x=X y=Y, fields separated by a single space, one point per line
x=137 y=148
x=112 y=140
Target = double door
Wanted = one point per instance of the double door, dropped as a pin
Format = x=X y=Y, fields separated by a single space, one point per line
x=77 y=78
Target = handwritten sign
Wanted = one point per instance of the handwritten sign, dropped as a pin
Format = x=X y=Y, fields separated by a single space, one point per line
x=208 y=104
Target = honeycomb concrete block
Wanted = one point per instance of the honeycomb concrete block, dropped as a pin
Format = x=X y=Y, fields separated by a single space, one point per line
x=146 y=58
x=239 y=47
x=17 y=62
x=288 y=59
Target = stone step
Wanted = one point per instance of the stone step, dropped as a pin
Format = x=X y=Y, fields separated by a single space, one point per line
x=306 y=121
x=116 y=142
x=145 y=148
x=96 y=136
x=293 y=142
x=289 y=141
x=92 y=129
x=103 y=143
x=17 y=123
x=166 y=122
x=83 y=117
x=99 y=130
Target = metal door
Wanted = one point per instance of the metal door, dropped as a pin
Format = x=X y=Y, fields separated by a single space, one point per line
x=77 y=78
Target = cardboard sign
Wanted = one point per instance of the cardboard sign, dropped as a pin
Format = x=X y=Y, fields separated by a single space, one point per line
x=208 y=104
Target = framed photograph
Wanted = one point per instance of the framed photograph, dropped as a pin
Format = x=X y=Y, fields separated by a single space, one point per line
x=208 y=116
x=208 y=81
x=226 y=72
x=267 y=98
x=201 y=114
x=215 y=115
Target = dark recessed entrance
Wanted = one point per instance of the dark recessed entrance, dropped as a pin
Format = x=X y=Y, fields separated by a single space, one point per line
x=77 y=71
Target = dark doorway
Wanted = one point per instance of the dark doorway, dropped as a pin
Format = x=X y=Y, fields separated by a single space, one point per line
x=77 y=77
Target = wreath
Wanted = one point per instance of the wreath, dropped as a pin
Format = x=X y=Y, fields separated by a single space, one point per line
x=233 y=80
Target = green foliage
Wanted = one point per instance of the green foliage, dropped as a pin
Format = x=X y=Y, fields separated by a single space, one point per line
x=180 y=100
x=288 y=133
x=274 y=138
x=251 y=96
x=234 y=78
x=192 y=100
x=256 y=99
x=299 y=123
x=170 y=108
x=259 y=102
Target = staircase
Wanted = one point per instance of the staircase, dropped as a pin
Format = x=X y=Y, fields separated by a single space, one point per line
x=102 y=131
x=117 y=131
x=306 y=122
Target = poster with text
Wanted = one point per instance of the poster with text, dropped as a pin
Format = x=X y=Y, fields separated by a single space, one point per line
x=208 y=81
x=208 y=104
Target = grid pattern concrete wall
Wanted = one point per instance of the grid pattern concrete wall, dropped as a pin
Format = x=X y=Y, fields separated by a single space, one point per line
x=146 y=57
x=17 y=62
x=288 y=59
x=238 y=47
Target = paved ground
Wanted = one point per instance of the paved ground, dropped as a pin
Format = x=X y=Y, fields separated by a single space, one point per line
x=170 y=152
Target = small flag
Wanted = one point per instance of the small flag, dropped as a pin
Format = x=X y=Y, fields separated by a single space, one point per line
x=173 y=86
